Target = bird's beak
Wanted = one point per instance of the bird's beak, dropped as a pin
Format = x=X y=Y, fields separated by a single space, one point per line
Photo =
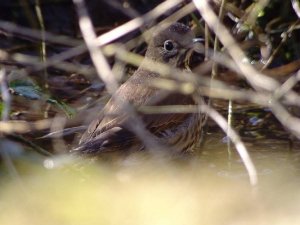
x=198 y=40
x=198 y=45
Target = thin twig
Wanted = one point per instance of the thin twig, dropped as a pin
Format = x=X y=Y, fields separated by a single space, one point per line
x=284 y=38
x=89 y=35
x=137 y=22
x=221 y=121
x=254 y=77
x=5 y=96
x=31 y=34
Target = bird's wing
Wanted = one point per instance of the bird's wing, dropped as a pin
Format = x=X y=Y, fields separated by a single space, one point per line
x=113 y=114
x=157 y=123
x=138 y=93
x=110 y=140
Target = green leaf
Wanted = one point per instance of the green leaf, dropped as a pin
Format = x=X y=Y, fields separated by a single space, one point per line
x=69 y=111
x=1 y=108
x=26 y=88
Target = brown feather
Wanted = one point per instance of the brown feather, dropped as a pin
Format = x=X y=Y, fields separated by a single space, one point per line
x=110 y=130
x=140 y=94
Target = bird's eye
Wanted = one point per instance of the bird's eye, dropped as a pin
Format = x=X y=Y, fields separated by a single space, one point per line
x=168 y=45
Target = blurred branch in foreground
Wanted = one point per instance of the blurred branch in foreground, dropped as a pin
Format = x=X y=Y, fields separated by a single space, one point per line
x=247 y=59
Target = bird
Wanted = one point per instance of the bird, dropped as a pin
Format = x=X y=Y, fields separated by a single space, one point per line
x=110 y=131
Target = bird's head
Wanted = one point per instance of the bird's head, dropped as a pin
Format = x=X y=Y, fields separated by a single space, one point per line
x=170 y=45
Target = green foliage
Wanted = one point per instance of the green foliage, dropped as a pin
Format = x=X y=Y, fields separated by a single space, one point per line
x=26 y=88
x=31 y=91
x=69 y=111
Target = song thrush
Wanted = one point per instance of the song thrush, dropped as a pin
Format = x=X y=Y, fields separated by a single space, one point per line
x=110 y=131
